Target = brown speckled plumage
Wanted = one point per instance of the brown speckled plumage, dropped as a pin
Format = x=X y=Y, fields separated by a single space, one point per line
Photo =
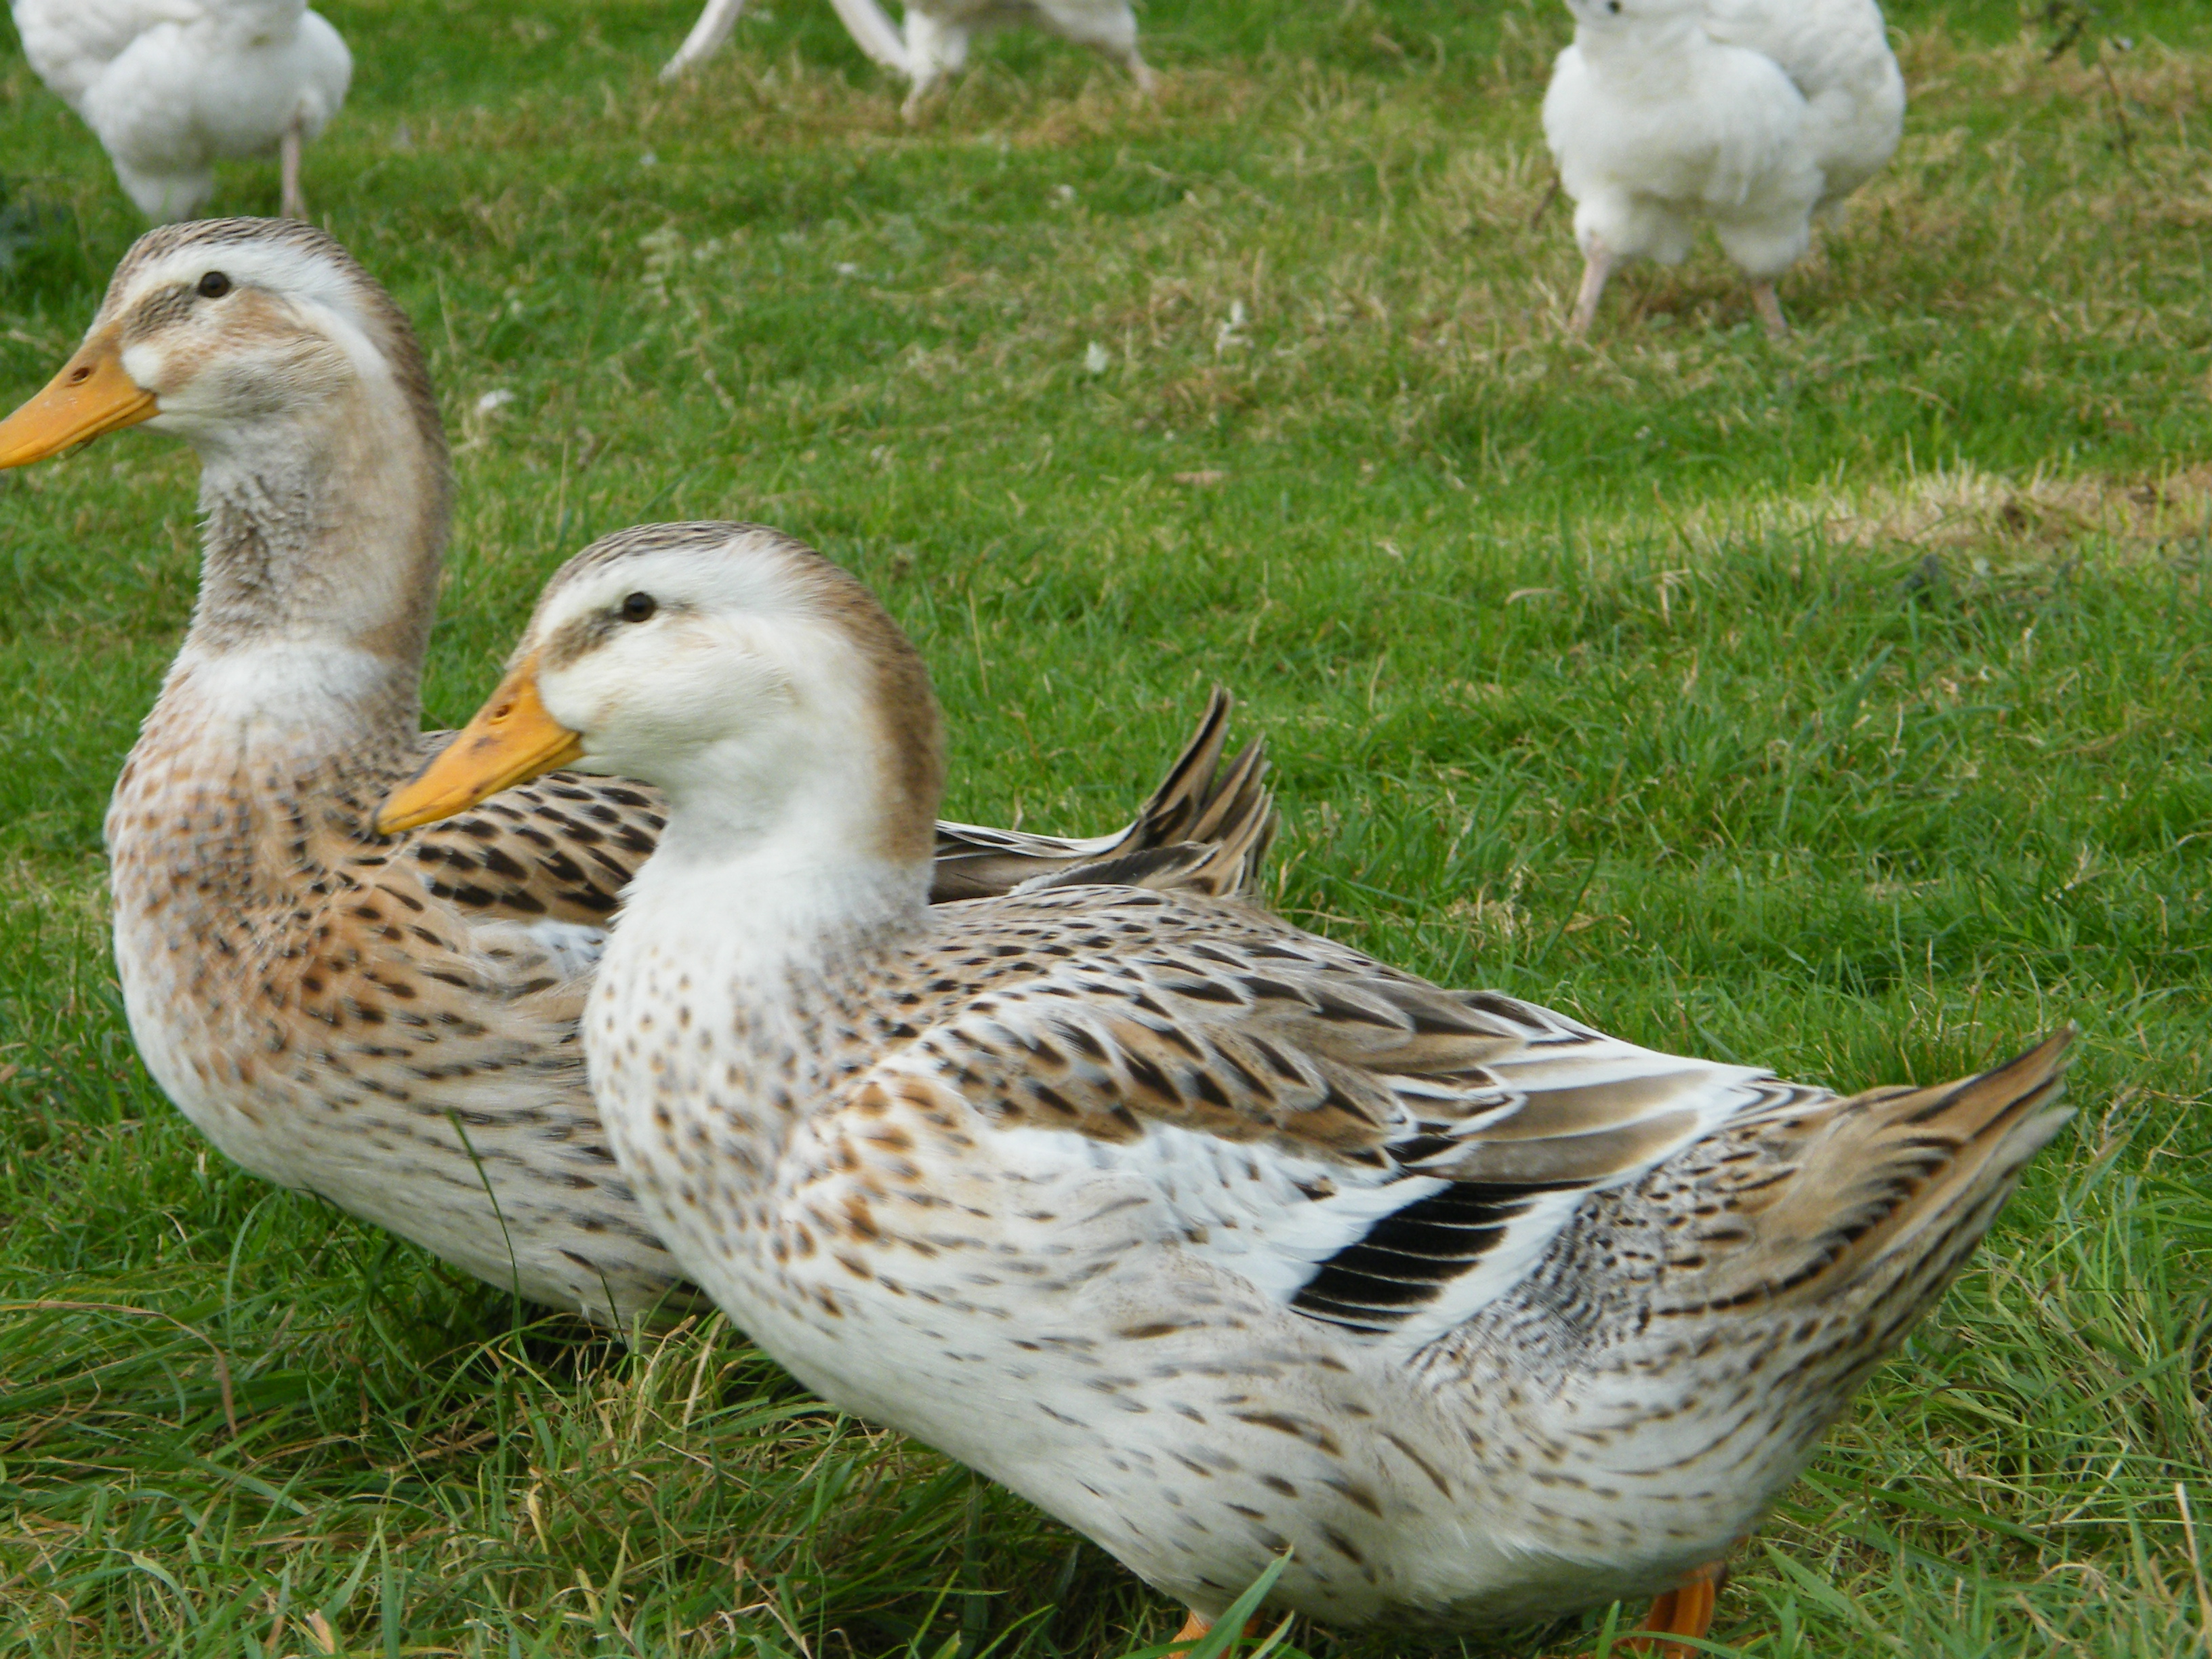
x=393 y=1023
x=1216 y=1238
x=374 y=1020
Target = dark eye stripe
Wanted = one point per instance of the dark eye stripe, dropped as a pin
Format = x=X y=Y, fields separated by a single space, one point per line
x=158 y=310
x=572 y=639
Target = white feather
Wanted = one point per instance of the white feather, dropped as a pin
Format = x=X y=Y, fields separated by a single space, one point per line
x=1748 y=115
x=170 y=86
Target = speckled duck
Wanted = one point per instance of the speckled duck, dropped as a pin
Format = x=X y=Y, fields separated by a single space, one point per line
x=389 y=1022
x=1214 y=1238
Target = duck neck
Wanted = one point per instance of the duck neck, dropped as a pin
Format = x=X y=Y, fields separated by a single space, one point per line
x=801 y=890
x=325 y=530
x=800 y=923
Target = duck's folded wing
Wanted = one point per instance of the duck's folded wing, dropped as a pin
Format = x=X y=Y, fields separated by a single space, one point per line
x=1375 y=1152
x=1202 y=803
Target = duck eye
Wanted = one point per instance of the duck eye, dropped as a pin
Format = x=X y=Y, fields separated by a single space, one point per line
x=213 y=286
x=637 y=607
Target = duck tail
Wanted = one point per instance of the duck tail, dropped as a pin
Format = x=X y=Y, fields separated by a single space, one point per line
x=1211 y=822
x=1878 y=1199
x=1201 y=799
x=1206 y=829
x=1952 y=1155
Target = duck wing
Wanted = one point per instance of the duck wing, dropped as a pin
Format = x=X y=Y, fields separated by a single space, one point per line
x=1383 y=1155
x=1375 y=1152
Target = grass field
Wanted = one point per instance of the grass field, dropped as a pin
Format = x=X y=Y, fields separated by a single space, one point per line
x=1838 y=705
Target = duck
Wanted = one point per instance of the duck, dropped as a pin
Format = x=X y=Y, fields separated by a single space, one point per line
x=171 y=87
x=1754 y=116
x=1223 y=1243
x=932 y=42
x=391 y=1022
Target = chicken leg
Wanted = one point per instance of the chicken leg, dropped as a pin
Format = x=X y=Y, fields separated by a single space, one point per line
x=1768 y=305
x=1597 y=266
x=294 y=205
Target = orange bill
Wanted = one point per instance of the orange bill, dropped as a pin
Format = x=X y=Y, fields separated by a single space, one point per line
x=93 y=394
x=512 y=740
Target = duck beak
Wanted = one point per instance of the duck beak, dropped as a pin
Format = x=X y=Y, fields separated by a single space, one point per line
x=512 y=740
x=93 y=394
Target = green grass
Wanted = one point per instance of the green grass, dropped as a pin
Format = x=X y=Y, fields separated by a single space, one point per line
x=1839 y=706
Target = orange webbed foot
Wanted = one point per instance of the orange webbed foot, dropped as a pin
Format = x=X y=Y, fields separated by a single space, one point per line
x=1685 y=1610
x=1197 y=1624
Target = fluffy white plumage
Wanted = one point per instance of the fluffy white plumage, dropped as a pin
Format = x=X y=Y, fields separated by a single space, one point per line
x=934 y=41
x=1751 y=115
x=170 y=86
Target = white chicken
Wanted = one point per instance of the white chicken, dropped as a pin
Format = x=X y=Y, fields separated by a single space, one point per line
x=1753 y=115
x=934 y=41
x=170 y=86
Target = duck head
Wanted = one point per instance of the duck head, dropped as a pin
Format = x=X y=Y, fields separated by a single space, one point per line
x=226 y=331
x=266 y=347
x=762 y=688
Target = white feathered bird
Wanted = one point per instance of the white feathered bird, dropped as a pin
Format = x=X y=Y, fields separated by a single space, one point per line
x=1752 y=115
x=934 y=41
x=170 y=86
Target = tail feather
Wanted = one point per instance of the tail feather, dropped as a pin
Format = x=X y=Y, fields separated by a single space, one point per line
x=1220 y=860
x=1228 y=809
x=1167 y=814
x=1983 y=1129
x=1242 y=815
x=1895 y=1186
x=1200 y=799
